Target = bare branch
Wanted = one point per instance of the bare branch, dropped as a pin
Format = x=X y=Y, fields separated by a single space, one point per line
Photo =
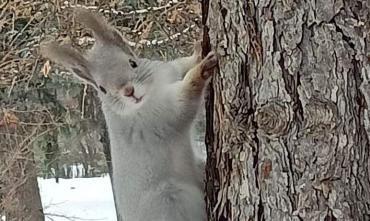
x=113 y=11
x=71 y=218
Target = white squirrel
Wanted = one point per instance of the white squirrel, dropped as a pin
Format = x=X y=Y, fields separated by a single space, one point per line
x=149 y=107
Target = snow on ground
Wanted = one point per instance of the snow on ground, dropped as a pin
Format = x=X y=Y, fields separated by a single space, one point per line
x=77 y=199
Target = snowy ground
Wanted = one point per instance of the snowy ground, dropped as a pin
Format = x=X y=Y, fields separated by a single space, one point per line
x=82 y=199
x=77 y=199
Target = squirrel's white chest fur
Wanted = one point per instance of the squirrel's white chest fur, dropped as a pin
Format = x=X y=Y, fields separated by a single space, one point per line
x=153 y=160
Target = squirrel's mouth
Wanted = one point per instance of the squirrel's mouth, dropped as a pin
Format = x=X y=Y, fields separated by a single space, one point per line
x=137 y=99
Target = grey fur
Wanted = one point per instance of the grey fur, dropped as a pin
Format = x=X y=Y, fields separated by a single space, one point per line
x=156 y=176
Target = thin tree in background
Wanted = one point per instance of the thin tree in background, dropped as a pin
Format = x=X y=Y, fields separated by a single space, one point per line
x=19 y=192
x=287 y=114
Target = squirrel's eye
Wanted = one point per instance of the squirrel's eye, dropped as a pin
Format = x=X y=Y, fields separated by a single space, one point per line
x=132 y=63
x=102 y=89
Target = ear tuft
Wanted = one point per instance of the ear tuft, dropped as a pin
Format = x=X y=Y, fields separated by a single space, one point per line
x=102 y=30
x=69 y=58
x=104 y=33
x=63 y=54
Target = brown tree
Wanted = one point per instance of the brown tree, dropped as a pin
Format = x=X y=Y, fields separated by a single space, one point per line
x=19 y=192
x=287 y=114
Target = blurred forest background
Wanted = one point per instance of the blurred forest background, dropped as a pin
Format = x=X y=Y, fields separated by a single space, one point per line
x=50 y=124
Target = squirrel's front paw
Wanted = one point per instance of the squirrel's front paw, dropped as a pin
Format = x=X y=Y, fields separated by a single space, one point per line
x=208 y=63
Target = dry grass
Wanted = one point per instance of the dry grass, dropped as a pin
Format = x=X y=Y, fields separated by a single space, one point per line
x=24 y=24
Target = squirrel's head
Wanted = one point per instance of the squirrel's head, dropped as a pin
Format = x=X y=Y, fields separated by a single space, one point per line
x=110 y=66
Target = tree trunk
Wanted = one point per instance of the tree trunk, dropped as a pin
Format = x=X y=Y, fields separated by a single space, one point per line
x=287 y=116
x=19 y=192
x=28 y=194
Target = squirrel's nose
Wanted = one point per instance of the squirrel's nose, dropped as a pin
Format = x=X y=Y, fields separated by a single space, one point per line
x=129 y=91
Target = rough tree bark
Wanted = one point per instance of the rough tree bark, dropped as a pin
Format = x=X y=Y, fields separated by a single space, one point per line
x=287 y=113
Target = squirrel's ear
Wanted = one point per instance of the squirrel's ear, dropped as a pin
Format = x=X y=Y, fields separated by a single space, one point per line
x=104 y=33
x=69 y=58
